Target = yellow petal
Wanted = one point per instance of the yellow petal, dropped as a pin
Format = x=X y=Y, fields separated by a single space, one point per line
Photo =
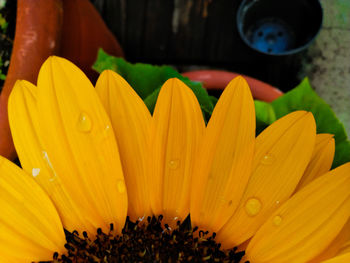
x=30 y=228
x=339 y=259
x=177 y=129
x=321 y=160
x=224 y=161
x=337 y=246
x=79 y=146
x=131 y=124
x=24 y=123
x=345 y=248
x=282 y=153
x=307 y=223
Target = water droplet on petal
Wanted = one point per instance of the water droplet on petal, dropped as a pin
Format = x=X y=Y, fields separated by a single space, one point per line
x=253 y=206
x=121 y=186
x=277 y=220
x=174 y=164
x=35 y=172
x=277 y=202
x=230 y=202
x=84 y=122
x=106 y=130
x=268 y=159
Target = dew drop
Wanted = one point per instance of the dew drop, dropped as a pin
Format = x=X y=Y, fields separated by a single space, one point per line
x=277 y=220
x=268 y=159
x=106 y=131
x=174 y=164
x=121 y=186
x=230 y=202
x=84 y=123
x=253 y=206
x=35 y=172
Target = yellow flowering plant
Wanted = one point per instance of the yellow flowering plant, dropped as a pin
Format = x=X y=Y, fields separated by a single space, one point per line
x=91 y=157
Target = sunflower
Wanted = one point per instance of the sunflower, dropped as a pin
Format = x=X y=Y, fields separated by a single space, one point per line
x=91 y=157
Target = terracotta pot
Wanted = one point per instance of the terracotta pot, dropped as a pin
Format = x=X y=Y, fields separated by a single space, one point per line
x=218 y=79
x=40 y=26
x=35 y=40
x=84 y=32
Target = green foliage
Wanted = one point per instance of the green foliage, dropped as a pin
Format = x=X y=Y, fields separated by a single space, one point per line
x=147 y=79
x=2 y=76
x=3 y=24
x=2 y=3
x=265 y=115
x=303 y=97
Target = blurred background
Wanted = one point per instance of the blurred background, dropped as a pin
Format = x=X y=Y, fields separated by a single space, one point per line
x=198 y=34
x=215 y=34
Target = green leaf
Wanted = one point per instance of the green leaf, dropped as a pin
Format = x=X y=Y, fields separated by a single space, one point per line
x=265 y=115
x=303 y=97
x=3 y=23
x=147 y=79
x=151 y=99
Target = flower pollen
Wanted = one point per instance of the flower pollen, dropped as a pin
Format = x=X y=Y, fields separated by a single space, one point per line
x=147 y=242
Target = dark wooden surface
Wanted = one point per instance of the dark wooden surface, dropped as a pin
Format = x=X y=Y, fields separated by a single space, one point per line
x=191 y=32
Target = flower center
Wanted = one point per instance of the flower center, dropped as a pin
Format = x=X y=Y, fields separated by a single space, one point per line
x=147 y=242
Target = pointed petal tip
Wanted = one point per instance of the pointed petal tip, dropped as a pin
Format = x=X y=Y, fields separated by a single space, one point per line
x=239 y=84
x=325 y=137
x=55 y=61
x=306 y=116
x=52 y=60
x=239 y=81
x=310 y=120
x=105 y=75
x=173 y=84
x=110 y=76
x=108 y=72
x=241 y=78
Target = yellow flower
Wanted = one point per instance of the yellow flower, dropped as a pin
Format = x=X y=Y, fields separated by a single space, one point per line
x=273 y=195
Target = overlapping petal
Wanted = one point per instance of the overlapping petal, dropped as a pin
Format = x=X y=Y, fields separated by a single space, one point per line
x=177 y=128
x=339 y=259
x=173 y=165
x=30 y=227
x=282 y=153
x=131 y=122
x=337 y=246
x=321 y=160
x=79 y=146
x=24 y=123
x=223 y=164
x=307 y=223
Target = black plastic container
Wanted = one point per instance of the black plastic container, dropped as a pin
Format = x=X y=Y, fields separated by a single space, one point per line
x=279 y=27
